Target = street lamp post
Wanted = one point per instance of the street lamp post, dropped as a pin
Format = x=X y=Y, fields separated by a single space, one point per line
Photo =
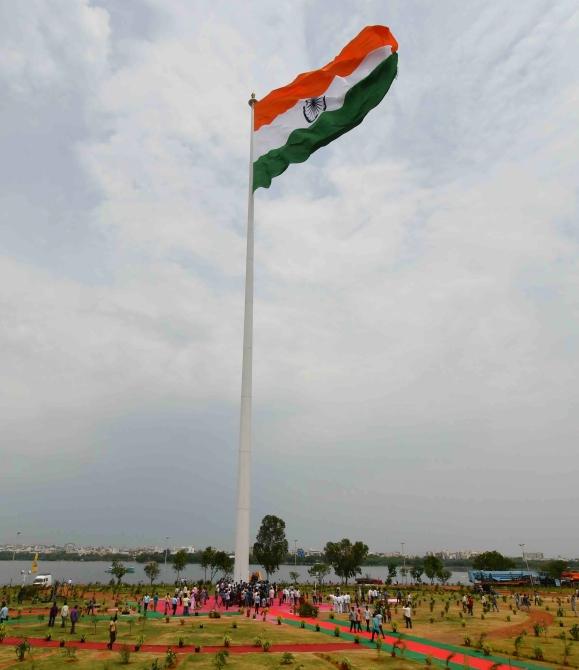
x=166 y=547
x=522 y=545
x=18 y=533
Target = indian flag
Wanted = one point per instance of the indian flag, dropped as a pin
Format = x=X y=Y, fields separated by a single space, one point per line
x=292 y=122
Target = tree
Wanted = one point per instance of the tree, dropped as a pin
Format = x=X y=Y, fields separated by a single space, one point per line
x=294 y=576
x=152 y=570
x=444 y=575
x=345 y=557
x=320 y=571
x=492 y=560
x=219 y=561
x=119 y=571
x=180 y=560
x=555 y=567
x=225 y=563
x=392 y=569
x=206 y=558
x=270 y=547
x=432 y=566
x=416 y=571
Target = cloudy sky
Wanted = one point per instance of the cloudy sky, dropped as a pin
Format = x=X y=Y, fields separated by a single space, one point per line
x=417 y=282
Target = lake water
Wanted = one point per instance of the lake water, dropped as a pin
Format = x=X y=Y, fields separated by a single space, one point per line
x=81 y=572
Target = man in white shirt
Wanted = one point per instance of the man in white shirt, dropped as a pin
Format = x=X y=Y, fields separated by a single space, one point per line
x=407 y=612
x=64 y=615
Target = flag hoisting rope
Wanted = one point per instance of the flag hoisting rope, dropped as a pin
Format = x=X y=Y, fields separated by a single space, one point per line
x=287 y=126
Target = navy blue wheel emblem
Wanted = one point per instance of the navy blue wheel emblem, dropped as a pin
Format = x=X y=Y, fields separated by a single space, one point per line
x=313 y=107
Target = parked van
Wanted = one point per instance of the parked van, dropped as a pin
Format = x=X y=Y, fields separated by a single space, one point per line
x=42 y=581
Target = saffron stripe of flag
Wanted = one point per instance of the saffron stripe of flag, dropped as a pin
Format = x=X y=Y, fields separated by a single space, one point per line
x=294 y=121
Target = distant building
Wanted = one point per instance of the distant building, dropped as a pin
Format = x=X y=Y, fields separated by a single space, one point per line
x=534 y=555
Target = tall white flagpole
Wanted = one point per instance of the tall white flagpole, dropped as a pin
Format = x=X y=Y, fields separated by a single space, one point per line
x=241 y=570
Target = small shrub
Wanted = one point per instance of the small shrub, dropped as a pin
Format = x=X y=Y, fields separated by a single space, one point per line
x=182 y=622
x=302 y=624
x=428 y=660
x=2 y=632
x=47 y=638
x=279 y=621
x=62 y=643
x=345 y=664
x=538 y=654
x=167 y=619
x=463 y=624
x=227 y=641
x=379 y=645
x=234 y=625
x=125 y=654
x=170 y=658
x=467 y=641
x=486 y=650
x=394 y=626
x=518 y=642
x=508 y=617
x=69 y=653
x=257 y=642
x=538 y=628
x=482 y=616
x=431 y=619
x=307 y=610
x=21 y=649
x=332 y=616
x=197 y=649
x=220 y=659
x=356 y=639
x=574 y=632
x=560 y=612
x=287 y=658
x=266 y=645
x=317 y=628
x=181 y=642
x=336 y=632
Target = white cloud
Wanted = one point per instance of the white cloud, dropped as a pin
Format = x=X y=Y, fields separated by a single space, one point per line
x=416 y=287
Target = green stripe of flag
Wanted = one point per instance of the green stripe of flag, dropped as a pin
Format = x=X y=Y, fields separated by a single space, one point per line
x=302 y=143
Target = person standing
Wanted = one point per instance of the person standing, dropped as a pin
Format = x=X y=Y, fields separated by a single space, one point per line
x=376 y=622
x=380 y=618
x=64 y=615
x=358 y=620
x=112 y=632
x=3 y=612
x=407 y=612
x=52 y=614
x=155 y=601
x=367 y=617
x=352 y=619
x=73 y=619
x=146 y=601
